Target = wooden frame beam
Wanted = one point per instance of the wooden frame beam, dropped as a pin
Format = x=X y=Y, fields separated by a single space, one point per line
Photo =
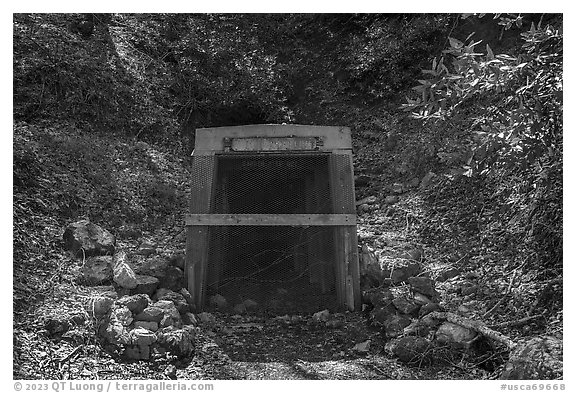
x=270 y=219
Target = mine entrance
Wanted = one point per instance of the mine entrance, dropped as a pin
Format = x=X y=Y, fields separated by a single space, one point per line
x=282 y=268
x=272 y=218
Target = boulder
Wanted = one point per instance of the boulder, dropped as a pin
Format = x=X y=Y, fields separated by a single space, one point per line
x=405 y=306
x=250 y=304
x=142 y=337
x=145 y=284
x=206 y=317
x=99 y=306
x=404 y=271
x=362 y=347
x=176 y=298
x=152 y=326
x=377 y=296
x=382 y=313
x=413 y=350
x=122 y=315
x=429 y=321
x=395 y=324
x=371 y=272
x=135 y=303
x=423 y=285
x=454 y=335
x=124 y=276
x=184 y=292
x=151 y=314
x=218 y=301
x=189 y=319
x=84 y=238
x=116 y=333
x=97 y=270
x=538 y=358
x=417 y=328
x=146 y=248
x=369 y=200
x=321 y=316
x=173 y=278
x=179 y=342
x=155 y=267
x=171 y=315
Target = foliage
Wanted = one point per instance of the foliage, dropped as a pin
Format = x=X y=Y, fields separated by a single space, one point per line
x=521 y=96
x=62 y=74
x=152 y=75
x=501 y=118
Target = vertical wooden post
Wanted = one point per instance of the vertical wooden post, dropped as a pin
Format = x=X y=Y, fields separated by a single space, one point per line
x=203 y=176
x=345 y=241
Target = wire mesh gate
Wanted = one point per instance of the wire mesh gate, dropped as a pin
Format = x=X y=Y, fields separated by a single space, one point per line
x=272 y=217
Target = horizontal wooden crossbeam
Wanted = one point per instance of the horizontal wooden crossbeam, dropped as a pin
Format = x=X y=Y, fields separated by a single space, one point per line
x=270 y=219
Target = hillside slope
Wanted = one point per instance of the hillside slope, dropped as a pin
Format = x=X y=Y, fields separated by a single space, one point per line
x=105 y=107
x=63 y=173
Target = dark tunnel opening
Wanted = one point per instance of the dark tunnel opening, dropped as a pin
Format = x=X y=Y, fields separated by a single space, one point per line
x=279 y=267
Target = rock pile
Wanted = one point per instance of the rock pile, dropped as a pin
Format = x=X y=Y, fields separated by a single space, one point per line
x=220 y=303
x=139 y=328
x=398 y=299
x=538 y=358
x=146 y=312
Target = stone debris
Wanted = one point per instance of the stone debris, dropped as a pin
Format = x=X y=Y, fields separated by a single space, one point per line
x=218 y=301
x=85 y=239
x=124 y=276
x=362 y=348
x=146 y=284
x=321 y=316
x=97 y=270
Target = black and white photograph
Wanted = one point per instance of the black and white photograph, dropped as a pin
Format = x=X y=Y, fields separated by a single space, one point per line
x=202 y=197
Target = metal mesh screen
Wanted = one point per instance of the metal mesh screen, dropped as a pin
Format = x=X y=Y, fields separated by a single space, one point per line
x=283 y=269
x=272 y=184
